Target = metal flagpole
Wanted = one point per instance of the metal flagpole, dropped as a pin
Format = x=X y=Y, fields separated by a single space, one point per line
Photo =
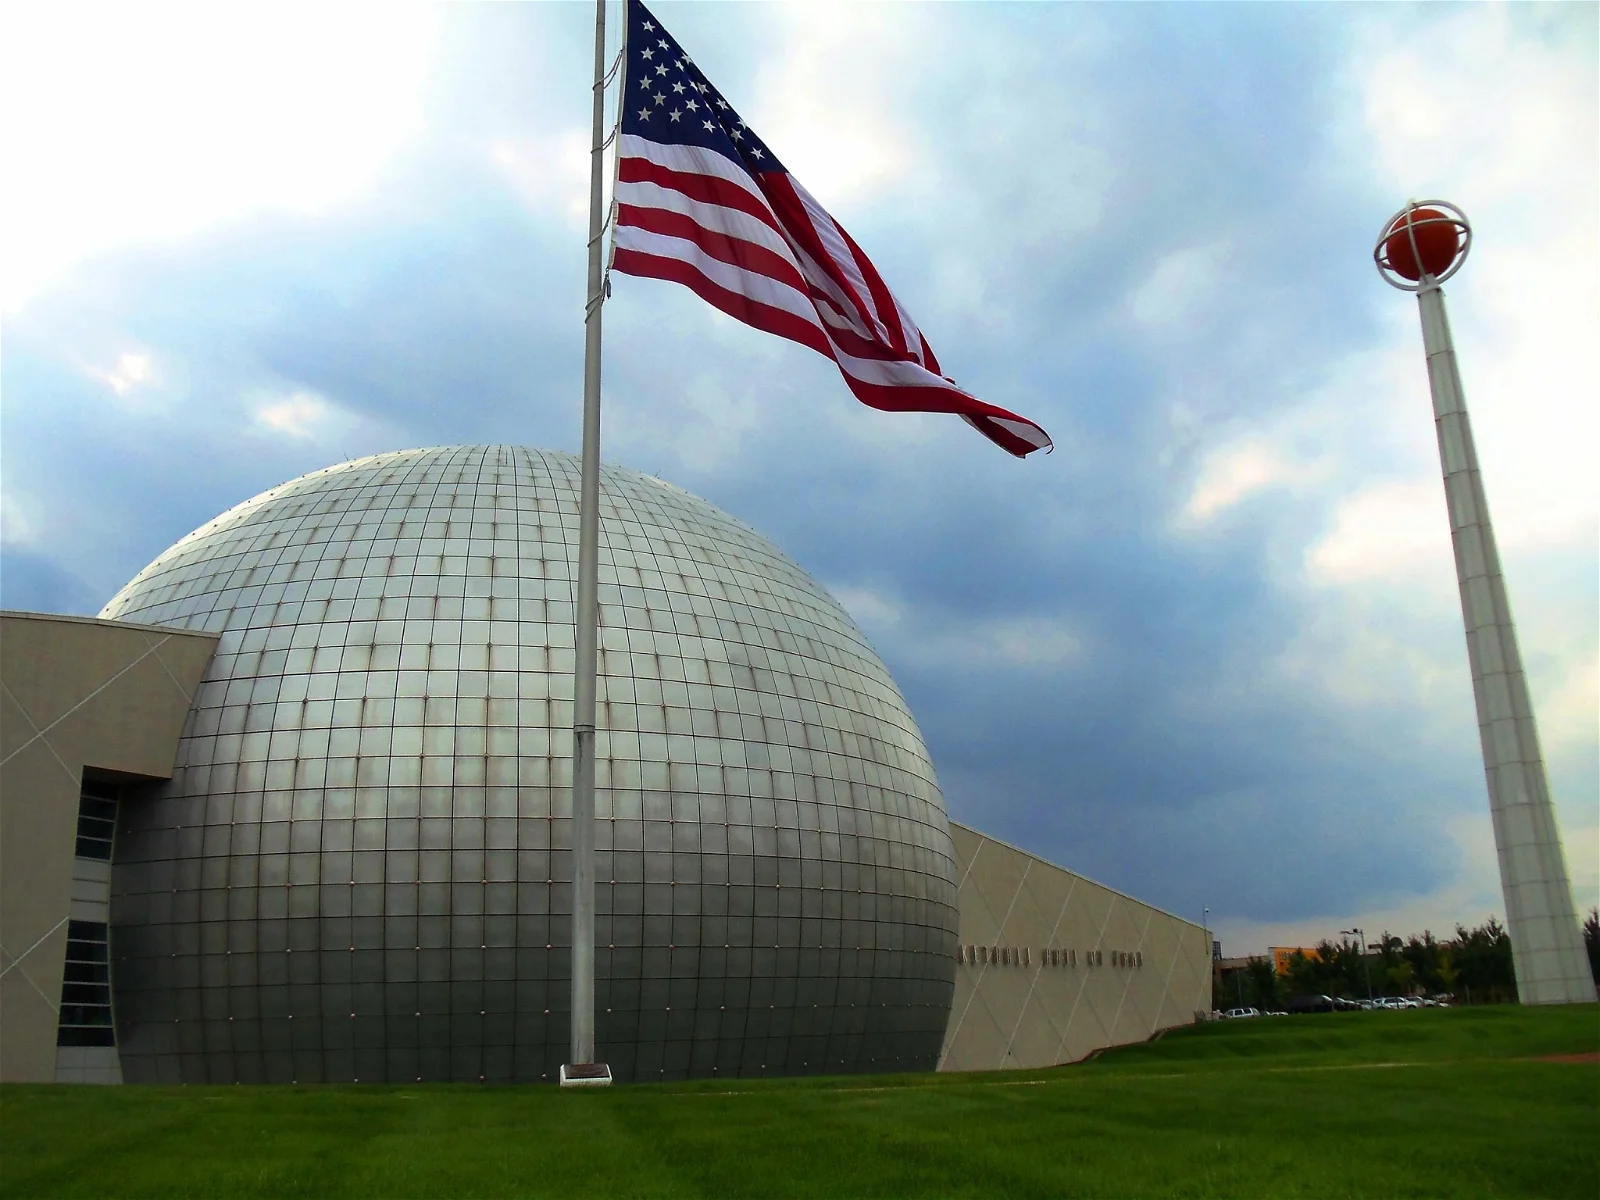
x=582 y=1070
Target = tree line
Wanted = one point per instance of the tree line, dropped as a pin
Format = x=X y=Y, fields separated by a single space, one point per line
x=1474 y=967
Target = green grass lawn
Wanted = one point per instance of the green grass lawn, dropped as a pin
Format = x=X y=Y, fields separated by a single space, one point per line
x=1388 y=1104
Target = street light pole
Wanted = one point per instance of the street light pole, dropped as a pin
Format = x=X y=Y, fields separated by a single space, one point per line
x=1361 y=944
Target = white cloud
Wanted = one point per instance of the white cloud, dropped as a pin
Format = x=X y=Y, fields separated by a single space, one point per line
x=300 y=415
x=131 y=371
x=827 y=104
x=1385 y=532
x=870 y=609
x=1232 y=473
x=550 y=173
x=1179 y=288
x=1367 y=414
x=129 y=123
x=18 y=524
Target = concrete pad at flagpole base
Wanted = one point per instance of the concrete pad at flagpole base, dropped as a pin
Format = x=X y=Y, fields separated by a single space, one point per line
x=585 y=1075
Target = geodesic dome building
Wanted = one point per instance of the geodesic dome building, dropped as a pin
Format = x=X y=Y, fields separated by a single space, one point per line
x=356 y=871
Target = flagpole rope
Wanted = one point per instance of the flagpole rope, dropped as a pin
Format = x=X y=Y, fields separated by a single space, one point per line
x=610 y=226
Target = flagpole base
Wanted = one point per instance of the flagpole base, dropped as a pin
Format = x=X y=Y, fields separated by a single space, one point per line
x=585 y=1075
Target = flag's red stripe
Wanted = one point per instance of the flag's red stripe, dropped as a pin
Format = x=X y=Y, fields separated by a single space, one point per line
x=790 y=211
x=734 y=251
x=1008 y=441
x=853 y=344
x=707 y=189
x=764 y=317
x=933 y=399
x=888 y=310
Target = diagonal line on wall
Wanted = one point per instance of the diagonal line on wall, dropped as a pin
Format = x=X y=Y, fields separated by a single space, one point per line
x=182 y=691
x=1099 y=937
x=1166 y=982
x=982 y=1011
x=18 y=960
x=1010 y=908
x=982 y=842
x=1127 y=981
x=43 y=731
x=1000 y=931
x=1034 y=982
x=38 y=736
x=39 y=991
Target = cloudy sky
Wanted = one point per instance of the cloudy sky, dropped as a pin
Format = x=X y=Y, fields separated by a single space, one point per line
x=1209 y=652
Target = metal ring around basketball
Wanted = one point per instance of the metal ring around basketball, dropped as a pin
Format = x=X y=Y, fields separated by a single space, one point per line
x=1453 y=216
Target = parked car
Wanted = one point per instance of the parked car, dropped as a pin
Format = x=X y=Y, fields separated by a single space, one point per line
x=1311 y=1004
x=1234 y=1014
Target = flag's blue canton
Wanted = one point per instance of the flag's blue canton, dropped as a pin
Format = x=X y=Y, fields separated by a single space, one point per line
x=665 y=98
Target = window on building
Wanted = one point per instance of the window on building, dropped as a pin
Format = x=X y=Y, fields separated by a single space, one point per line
x=97 y=819
x=86 y=988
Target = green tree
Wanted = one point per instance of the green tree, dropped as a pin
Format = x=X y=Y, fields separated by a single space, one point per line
x=1307 y=975
x=1262 y=985
x=1348 y=970
x=1399 y=978
x=1446 y=969
x=1591 y=941
x=1483 y=957
x=1423 y=955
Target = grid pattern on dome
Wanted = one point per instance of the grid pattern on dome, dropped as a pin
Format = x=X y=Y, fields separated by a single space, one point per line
x=357 y=871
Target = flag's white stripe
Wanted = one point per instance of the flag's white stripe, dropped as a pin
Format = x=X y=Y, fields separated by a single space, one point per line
x=732 y=221
x=780 y=295
x=699 y=160
x=1025 y=430
x=909 y=327
x=1030 y=433
x=695 y=160
x=839 y=252
x=845 y=317
x=894 y=373
x=844 y=314
x=751 y=284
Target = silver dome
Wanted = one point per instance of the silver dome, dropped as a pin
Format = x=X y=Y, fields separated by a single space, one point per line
x=357 y=871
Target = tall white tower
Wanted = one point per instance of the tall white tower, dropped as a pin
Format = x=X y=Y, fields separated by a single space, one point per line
x=1420 y=247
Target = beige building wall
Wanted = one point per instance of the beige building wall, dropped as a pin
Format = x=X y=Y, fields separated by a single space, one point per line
x=1054 y=966
x=75 y=692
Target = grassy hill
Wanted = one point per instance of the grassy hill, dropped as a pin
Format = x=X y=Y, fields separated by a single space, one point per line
x=1459 y=1102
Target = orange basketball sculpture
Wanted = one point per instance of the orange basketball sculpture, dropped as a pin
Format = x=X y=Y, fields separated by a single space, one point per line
x=1426 y=234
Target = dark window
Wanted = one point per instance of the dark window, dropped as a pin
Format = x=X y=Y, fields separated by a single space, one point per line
x=86 y=988
x=97 y=819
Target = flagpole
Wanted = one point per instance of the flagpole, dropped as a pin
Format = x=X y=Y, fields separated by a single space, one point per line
x=581 y=1069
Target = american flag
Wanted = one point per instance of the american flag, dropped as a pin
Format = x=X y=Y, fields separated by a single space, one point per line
x=703 y=201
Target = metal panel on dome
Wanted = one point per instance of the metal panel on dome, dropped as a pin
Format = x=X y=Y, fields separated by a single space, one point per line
x=358 y=869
